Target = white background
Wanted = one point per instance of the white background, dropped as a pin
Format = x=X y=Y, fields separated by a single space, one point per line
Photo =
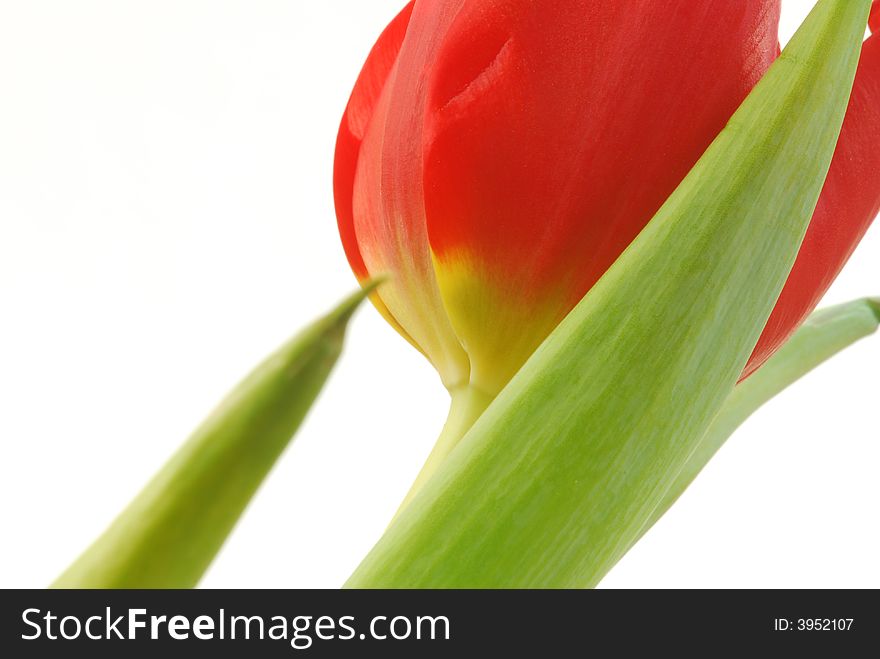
x=166 y=220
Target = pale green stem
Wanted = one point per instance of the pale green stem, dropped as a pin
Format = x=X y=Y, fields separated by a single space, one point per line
x=467 y=404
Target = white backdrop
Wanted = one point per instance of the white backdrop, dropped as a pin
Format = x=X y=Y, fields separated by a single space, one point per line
x=166 y=220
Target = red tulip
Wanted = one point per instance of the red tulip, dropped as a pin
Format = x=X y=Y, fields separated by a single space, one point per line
x=497 y=156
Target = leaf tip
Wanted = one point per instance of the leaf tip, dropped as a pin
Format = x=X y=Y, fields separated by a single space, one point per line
x=340 y=316
x=370 y=285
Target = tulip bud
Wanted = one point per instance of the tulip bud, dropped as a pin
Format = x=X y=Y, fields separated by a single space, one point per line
x=497 y=157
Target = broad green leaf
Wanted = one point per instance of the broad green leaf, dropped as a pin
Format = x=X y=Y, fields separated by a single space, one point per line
x=170 y=533
x=559 y=475
x=823 y=335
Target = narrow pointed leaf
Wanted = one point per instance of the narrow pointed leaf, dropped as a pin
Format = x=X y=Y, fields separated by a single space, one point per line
x=556 y=479
x=170 y=533
x=824 y=334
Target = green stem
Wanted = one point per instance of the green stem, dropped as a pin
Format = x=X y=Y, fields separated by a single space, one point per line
x=467 y=404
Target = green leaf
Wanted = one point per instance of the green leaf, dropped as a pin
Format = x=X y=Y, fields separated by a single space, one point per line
x=559 y=475
x=170 y=533
x=823 y=335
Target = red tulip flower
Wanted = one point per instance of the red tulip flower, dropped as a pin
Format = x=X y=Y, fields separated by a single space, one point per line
x=497 y=156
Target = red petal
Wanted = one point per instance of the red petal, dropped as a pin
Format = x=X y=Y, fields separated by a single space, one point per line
x=357 y=117
x=554 y=131
x=388 y=207
x=849 y=202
